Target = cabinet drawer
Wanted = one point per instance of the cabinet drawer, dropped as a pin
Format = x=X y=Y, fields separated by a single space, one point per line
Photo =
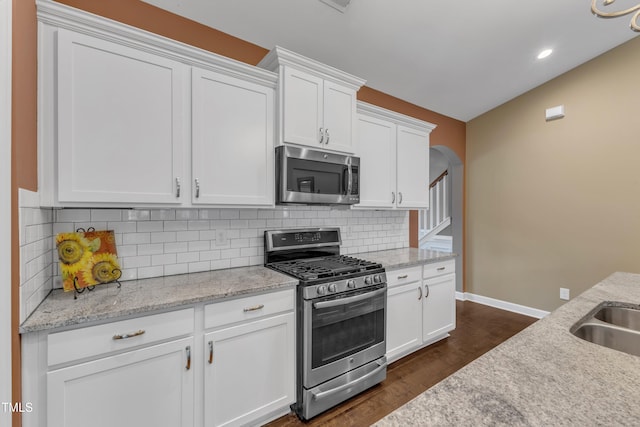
x=404 y=275
x=240 y=309
x=102 y=339
x=439 y=268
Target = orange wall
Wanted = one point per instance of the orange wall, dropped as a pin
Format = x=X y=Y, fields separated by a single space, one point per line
x=450 y=132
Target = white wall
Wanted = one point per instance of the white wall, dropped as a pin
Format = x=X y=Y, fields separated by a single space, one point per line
x=5 y=209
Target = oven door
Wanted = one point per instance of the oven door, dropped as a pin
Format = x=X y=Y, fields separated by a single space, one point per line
x=343 y=332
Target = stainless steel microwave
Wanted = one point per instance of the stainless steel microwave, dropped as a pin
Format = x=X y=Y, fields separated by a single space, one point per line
x=305 y=176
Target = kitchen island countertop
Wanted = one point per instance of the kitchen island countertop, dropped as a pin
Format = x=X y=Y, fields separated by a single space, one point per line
x=543 y=376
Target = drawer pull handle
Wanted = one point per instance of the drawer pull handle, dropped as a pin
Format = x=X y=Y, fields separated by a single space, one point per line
x=188 y=350
x=404 y=276
x=210 y=352
x=441 y=268
x=254 y=308
x=131 y=335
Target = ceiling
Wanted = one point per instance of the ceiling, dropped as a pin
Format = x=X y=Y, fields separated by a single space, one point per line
x=458 y=58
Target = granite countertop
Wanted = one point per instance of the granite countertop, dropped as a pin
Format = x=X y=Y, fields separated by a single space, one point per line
x=405 y=257
x=542 y=376
x=143 y=296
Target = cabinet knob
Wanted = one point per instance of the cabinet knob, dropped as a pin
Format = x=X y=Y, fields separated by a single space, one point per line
x=326 y=133
x=426 y=287
x=399 y=197
x=420 y=289
x=321 y=135
x=393 y=197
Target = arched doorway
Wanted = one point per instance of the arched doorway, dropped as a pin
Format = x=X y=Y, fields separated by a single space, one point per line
x=443 y=158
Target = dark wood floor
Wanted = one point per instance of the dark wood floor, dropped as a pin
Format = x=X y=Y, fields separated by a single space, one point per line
x=479 y=328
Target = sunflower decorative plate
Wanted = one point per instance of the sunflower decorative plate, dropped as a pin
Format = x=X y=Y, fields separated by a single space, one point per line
x=87 y=258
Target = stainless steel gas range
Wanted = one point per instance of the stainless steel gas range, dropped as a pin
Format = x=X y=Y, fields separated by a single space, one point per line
x=341 y=316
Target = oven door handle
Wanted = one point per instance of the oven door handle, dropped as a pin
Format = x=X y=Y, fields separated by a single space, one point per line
x=382 y=364
x=348 y=300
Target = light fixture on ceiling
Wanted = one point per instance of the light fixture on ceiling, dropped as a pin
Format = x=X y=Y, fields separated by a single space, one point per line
x=340 y=5
x=543 y=54
x=635 y=19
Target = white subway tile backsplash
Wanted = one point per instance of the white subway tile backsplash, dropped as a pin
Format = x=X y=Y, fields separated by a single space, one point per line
x=163 y=237
x=136 y=215
x=106 y=215
x=163 y=215
x=186 y=214
x=199 y=245
x=170 y=270
x=196 y=267
x=136 y=238
x=156 y=242
x=149 y=226
x=188 y=257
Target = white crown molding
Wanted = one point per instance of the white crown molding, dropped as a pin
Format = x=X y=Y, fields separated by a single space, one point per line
x=384 y=114
x=63 y=16
x=279 y=56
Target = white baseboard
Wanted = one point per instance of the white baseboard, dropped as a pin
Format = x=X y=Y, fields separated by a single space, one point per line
x=503 y=305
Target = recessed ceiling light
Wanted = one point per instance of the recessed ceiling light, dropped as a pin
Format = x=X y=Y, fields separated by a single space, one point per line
x=545 y=53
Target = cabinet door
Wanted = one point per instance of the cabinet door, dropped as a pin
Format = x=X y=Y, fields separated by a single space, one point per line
x=377 y=151
x=149 y=387
x=232 y=152
x=404 y=319
x=302 y=109
x=120 y=123
x=439 y=309
x=413 y=168
x=249 y=370
x=339 y=117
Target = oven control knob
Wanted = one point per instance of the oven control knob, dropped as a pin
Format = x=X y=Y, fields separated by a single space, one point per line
x=322 y=290
x=367 y=280
x=376 y=278
x=332 y=287
x=351 y=283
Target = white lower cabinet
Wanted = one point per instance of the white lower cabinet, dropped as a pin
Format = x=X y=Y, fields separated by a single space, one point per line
x=151 y=387
x=249 y=363
x=249 y=370
x=220 y=364
x=439 y=307
x=404 y=320
x=420 y=307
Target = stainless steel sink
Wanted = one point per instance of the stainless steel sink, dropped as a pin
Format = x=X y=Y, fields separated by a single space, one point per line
x=620 y=316
x=613 y=337
x=612 y=325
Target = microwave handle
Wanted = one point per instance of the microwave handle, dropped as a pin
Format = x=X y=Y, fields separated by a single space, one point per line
x=350 y=185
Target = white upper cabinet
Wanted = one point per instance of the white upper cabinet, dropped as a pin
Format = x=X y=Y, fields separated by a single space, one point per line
x=316 y=103
x=412 y=168
x=377 y=151
x=394 y=159
x=121 y=115
x=232 y=131
x=127 y=118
